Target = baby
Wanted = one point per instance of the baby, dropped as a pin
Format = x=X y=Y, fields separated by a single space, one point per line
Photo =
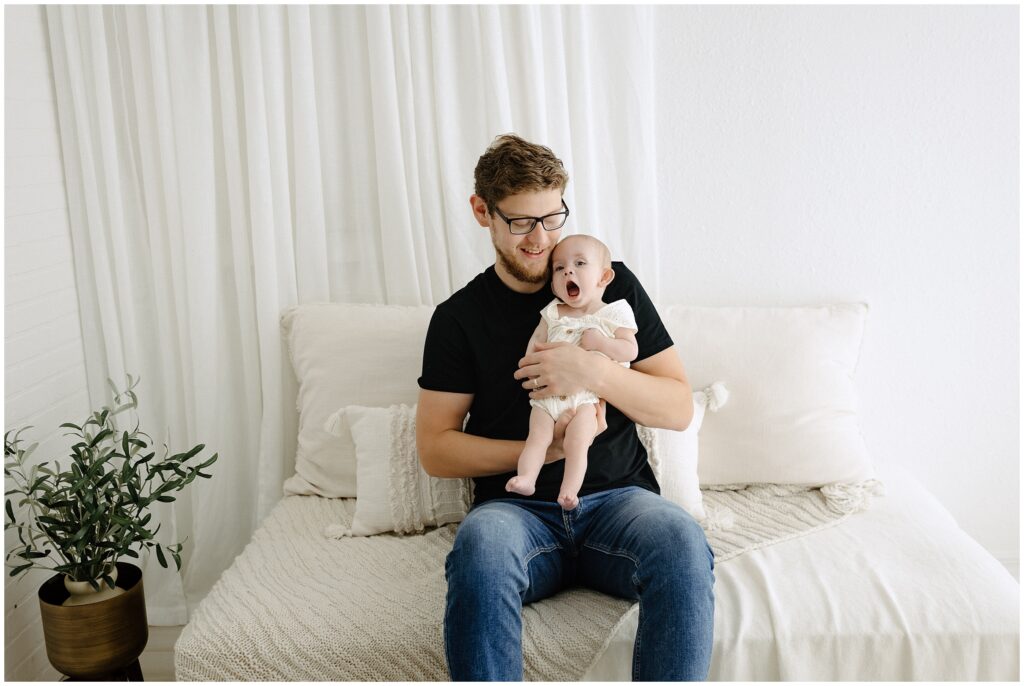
x=581 y=268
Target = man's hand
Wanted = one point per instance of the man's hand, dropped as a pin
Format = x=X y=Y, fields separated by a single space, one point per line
x=560 y=369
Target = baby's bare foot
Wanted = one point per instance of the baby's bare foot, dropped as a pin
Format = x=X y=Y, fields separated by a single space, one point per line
x=568 y=501
x=520 y=485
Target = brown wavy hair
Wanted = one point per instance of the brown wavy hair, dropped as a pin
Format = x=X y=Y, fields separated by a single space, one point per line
x=513 y=165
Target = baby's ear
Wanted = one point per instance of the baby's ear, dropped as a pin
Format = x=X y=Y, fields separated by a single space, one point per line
x=607 y=277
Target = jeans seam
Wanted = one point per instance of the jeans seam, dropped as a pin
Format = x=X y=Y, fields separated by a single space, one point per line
x=568 y=530
x=618 y=552
x=637 y=641
x=447 y=645
x=526 y=564
x=538 y=551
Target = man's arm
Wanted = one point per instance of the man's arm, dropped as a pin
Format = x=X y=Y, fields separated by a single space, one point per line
x=654 y=392
x=446 y=452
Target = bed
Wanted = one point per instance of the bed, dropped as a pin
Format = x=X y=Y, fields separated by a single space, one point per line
x=896 y=593
x=828 y=567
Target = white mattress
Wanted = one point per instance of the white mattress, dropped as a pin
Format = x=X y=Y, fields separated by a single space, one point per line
x=898 y=593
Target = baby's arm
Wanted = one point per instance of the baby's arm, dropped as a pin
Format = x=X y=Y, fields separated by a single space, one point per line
x=540 y=335
x=622 y=348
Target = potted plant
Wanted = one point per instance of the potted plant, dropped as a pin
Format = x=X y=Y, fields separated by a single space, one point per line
x=82 y=521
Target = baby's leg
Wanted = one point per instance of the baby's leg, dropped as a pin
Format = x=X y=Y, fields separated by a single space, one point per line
x=542 y=430
x=578 y=437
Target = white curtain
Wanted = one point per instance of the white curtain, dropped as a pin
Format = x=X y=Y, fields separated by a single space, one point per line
x=224 y=163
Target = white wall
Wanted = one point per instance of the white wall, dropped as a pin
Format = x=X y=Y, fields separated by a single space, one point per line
x=44 y=367
x=816 y=154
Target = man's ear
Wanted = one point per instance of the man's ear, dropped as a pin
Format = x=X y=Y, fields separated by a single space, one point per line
x=607 y=277
x=479 y=206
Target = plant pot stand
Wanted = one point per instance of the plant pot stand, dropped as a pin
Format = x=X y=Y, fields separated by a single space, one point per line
x=100 y=641
x=132 y=672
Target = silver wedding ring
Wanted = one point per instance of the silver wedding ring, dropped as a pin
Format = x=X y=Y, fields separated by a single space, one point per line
x=536 y=383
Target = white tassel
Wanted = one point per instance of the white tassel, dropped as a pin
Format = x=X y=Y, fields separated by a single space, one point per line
x=718 y=518
x=333 y=423
x=850 y=498
x=717 y=395
x=337 y=531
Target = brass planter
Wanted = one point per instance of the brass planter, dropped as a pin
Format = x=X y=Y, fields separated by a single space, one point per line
x=97 y=640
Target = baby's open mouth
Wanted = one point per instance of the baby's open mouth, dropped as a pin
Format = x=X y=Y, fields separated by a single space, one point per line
x=572 y=289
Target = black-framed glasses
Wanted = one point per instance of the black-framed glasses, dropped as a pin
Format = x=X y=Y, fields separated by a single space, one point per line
x=520 y=226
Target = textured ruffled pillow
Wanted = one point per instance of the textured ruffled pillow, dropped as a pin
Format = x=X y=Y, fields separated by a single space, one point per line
x=673 y=454
x=393 y=491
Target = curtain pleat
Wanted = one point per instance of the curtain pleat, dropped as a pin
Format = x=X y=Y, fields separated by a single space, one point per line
x=307 y=183
x=224 y=163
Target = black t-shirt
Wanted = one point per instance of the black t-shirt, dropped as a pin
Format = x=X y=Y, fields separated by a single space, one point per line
x=474 y=343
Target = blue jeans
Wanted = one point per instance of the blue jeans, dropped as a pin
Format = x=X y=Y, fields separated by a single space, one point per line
x=626 y=542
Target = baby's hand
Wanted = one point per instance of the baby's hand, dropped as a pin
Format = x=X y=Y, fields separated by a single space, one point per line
x=591 y=339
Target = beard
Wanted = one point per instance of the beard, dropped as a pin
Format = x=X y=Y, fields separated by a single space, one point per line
x=519 y=272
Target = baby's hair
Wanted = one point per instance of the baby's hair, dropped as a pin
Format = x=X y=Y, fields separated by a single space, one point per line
x=606 y=254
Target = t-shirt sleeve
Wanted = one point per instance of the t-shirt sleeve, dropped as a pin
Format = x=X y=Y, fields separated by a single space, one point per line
x=619 y=315
x=447 y=358
x=550 y=314
x=652 y=337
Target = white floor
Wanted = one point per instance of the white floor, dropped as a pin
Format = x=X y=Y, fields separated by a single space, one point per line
x=158 y=659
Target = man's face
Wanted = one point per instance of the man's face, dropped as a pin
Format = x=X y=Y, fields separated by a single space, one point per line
x=524 y=262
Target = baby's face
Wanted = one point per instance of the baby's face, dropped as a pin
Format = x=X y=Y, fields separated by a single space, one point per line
x=576 y=272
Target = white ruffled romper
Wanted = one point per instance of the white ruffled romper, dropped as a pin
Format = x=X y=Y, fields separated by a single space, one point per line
x=612 y=316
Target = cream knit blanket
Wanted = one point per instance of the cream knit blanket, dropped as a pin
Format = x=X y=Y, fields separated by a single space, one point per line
x=296 y=606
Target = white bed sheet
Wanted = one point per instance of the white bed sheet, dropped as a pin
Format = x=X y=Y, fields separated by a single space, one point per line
x=899 y=593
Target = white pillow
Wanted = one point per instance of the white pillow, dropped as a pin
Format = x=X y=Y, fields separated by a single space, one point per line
x=347 y=355
x=792 y=417
x=792 y=420
x=393 y=491
x=674 y=454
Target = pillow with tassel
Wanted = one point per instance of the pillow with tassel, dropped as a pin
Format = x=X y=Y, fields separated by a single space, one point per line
x=673 y=454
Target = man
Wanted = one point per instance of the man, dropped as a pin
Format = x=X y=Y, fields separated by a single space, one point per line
x=623 y=538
